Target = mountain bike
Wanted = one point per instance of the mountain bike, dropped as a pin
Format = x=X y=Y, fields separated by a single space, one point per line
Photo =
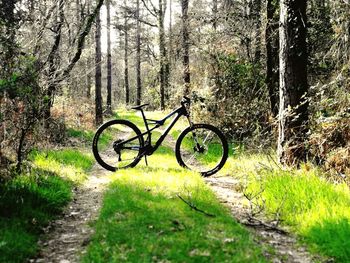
x=119 y=144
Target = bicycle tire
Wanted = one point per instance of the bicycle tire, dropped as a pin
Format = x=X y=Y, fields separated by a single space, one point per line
x=98 y=152
x=208 y=127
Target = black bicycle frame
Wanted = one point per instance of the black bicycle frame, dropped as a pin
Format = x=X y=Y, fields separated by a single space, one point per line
x=148 y=148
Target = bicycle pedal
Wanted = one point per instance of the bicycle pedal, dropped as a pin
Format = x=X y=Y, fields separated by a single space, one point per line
x=146 y=160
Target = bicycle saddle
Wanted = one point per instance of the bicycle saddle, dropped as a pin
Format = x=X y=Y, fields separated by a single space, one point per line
x=139 y=107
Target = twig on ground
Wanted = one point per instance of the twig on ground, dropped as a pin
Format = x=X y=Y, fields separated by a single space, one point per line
x=254 y=222
x=192 y=206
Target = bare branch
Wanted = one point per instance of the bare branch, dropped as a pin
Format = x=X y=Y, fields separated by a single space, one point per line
x=81 y=41
x=192 y=206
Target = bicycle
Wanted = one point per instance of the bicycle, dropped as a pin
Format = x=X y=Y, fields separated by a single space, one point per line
x=119 y=144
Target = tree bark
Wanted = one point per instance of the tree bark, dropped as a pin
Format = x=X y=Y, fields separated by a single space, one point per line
x=109 y=60
x=257 y=55
x=293 y=112
x=163 y=55
x=126 y=57
x=215 y=14
x=272 y=48
x=185 y=46
x=98 y=74
x=52 y=62
x=138 y=54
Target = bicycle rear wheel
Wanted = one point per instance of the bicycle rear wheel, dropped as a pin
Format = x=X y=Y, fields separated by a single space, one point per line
x=202 y=148
x=117 y=145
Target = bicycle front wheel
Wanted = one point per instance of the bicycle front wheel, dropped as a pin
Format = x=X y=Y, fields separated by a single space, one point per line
x=202 y=148
x=117 y=144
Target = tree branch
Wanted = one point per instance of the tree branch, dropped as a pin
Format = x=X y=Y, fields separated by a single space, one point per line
x=154 y=12
x=81 y=41
x=192 y=206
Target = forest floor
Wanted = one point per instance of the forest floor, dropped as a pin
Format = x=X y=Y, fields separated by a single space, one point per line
x=79 y=233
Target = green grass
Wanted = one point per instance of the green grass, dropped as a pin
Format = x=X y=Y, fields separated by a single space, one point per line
x=68 y=163
x=85 y=135
x=88 y=136
x=143 y=220
x=30 y=201
x=27 y=204
x=317 y=210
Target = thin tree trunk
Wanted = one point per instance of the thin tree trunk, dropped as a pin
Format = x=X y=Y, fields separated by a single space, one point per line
x=52 y=61
x=272 y=47
x=185 y=46
x=126 y=58
x=138 y=54
x=163 y=55
x=109 y=60
x=257 y=55
x=293 y=112
x=215 y=14
x=170 y=49
x=98 y=74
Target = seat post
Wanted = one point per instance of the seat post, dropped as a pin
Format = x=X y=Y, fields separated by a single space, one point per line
x=144 y=119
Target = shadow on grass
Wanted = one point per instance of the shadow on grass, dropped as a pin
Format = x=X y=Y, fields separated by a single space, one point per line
x=332 y=238
x=27 y=204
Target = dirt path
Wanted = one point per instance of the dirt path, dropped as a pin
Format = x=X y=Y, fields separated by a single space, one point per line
x=68 y=236
x=285 y=245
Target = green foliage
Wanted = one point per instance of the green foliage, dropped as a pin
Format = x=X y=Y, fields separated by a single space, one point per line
x=28 y=203
x=239 y=102
x=23 y=81
x=313 y=207
x=143 y=220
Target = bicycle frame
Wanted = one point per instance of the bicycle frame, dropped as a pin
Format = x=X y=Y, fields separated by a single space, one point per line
x=148 y=149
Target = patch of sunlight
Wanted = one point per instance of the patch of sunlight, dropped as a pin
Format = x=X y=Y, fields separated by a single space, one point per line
x=70 y=172
x=304 y=199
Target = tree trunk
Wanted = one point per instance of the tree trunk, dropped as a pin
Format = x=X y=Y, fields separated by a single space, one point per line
x=185 y=46
x=138 y=54
x=258 y=15
x=109 y=60
x=272 y=48
x=163 y=55
x=52 y=62
x=126 y=58
x=170 y=49
x=293 y=112
x=215 y=14
x=98 y=75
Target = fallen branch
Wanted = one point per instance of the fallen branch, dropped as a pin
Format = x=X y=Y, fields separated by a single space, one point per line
x=254 y=222
x=192 y=206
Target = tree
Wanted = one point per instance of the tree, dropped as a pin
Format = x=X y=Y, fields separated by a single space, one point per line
x=293 y=112
x=98 y=74
x=164 y=72
x=164 y=68
x=272 y=47
x=126 y=55
x=109 y=60
x=138 y=54
x=185 y=46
